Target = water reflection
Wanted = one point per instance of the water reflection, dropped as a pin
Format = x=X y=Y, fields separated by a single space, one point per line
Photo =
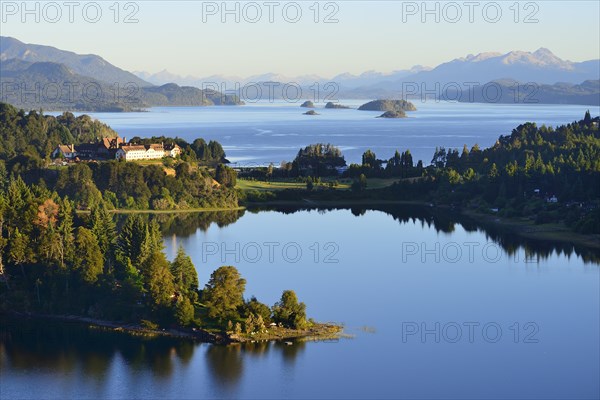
x=186 y=224
x=225 y=364
x=182 y=225
x=290 y=352
x=63 y=347
x=446 y=221
x=51 y=360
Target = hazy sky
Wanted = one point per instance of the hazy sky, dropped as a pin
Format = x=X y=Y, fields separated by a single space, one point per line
x=189 y=37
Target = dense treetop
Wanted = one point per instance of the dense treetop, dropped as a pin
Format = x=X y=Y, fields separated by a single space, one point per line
x=388 y=105
x=34 y=135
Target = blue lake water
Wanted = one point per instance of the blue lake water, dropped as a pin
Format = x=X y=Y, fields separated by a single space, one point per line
x=436 y=309
x=266 y=132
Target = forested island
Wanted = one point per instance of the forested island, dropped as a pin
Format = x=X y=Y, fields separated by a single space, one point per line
x=393 y=114
x=336 y=106
x=311 y=112
x=388 y=105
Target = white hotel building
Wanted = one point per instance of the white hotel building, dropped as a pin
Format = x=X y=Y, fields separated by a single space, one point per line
x=131 y=152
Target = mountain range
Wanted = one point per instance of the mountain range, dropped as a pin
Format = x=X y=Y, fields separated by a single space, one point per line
x=346 y=79
x=22 y=65
x=82 y=64
x=559 y=81
x=35 y=76
x=540 y=66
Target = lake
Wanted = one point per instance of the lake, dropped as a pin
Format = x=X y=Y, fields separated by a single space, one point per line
x=435 y=307
x=264 y=132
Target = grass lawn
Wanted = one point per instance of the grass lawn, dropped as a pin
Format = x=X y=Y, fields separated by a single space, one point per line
x=155 y=161
x=272 y=185
x=378 y=183
x=280 y=184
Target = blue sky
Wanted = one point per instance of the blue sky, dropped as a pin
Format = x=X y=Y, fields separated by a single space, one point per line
x=189 y=37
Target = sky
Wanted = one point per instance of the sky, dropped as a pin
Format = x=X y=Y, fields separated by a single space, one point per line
x=200 y=38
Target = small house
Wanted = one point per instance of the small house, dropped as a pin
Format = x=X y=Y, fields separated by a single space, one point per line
x=172 y=150
x=65 y=151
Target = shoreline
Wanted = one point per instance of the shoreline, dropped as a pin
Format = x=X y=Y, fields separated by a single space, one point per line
x=319 y=331
x=337 y=203
x=178 y=211
x=553 y=232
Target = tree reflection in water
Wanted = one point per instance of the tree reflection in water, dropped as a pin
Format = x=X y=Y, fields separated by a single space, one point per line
x=186 y=224
x=446 y=220
x=65 y=347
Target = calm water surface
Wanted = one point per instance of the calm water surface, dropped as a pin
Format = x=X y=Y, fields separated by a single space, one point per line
x=266 y=132
x=501 y=319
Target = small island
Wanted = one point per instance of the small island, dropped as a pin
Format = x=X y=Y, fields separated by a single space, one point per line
x=311 y=112
x=308 y=104
x=393 y=114
x=335 y=106
x=388 y=105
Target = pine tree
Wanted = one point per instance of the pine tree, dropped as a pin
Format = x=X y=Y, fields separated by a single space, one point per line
x=103 y=226
x=88 y=257
x=158 y=280
x=65 y=230
x=185 y=276
x=3 y=241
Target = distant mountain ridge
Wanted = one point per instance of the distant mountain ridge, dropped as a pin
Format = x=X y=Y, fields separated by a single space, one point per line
x=560 y=81
x=53 y=86
x=346 y=79
x=86 y=64
x=540 y=66
x=510 y=92
x=60 y=88
x=35 y=76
